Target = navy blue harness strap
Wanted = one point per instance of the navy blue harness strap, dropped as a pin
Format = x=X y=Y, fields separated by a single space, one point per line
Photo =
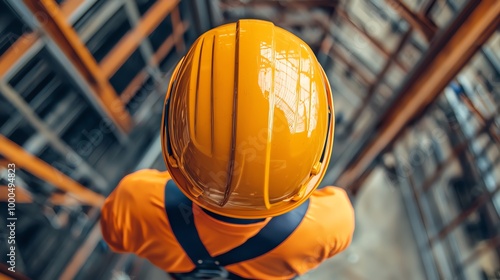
x=277 y=230
x=180 y=217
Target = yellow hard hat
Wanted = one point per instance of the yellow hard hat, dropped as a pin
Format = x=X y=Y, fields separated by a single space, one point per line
x=248 y=124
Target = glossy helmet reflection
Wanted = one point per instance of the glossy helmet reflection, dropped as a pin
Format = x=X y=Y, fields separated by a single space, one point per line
x=248 y=123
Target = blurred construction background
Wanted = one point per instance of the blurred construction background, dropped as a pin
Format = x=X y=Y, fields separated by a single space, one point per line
x=416 y=85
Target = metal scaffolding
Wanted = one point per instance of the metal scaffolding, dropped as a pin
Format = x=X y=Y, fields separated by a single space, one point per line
x=415 y=85
x=80 y=82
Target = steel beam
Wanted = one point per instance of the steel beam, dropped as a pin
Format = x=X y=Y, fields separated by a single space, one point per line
x=484 y=247
x=428 y=8
x=22 y=196
x=180 y=45
x=131 y=41
x=290 y=3
x=133 y=87
x=441 y=167
x=458 y=220
x=69 y=6
x=345 y=18
x=55 y=25
x=29 y=44
x=16 y=51
x=49 y=136
x=379 y=79
x=99 y=19
x=130 y=91
x=23 y=160
x=63 y=200
x=421 y=23
x=479 y=116
x=374 y=42
x=144 y=46
x=445 y=58
x=83 y=253
x=347 y=60
x=167 y=45
x=417 y=219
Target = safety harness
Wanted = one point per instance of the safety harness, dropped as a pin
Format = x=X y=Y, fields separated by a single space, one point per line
x=181 y=218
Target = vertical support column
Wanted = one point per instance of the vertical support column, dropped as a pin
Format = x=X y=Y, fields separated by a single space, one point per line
x=447 y=56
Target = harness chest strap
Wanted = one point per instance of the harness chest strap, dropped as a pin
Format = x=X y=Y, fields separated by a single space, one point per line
x=277 y=230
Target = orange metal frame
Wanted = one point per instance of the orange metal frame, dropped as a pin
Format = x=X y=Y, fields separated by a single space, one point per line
x=56 y=25
x=69 y=6
x=67 y=39
x=386 y=53
x=167 y=45
x=129 y=92
x=419 y=22
x=118 y=55
x=22 y=196
x=362 y=74
x=474 y=30
x=20 y=46
x=44 y=171
x=59 y=29
x=178 y=30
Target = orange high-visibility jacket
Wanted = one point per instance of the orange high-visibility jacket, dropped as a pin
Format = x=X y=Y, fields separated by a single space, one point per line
x=134 y=221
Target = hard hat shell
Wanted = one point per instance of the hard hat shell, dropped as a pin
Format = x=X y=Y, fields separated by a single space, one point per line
x=248 y=124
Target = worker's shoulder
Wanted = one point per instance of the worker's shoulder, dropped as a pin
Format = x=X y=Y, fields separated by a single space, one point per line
x=145 y=177
x=331 y=209
x=326 y=230
x=142 y=183
x=332 y=197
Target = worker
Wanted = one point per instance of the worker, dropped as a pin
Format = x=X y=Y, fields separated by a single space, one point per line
x=247 y=135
